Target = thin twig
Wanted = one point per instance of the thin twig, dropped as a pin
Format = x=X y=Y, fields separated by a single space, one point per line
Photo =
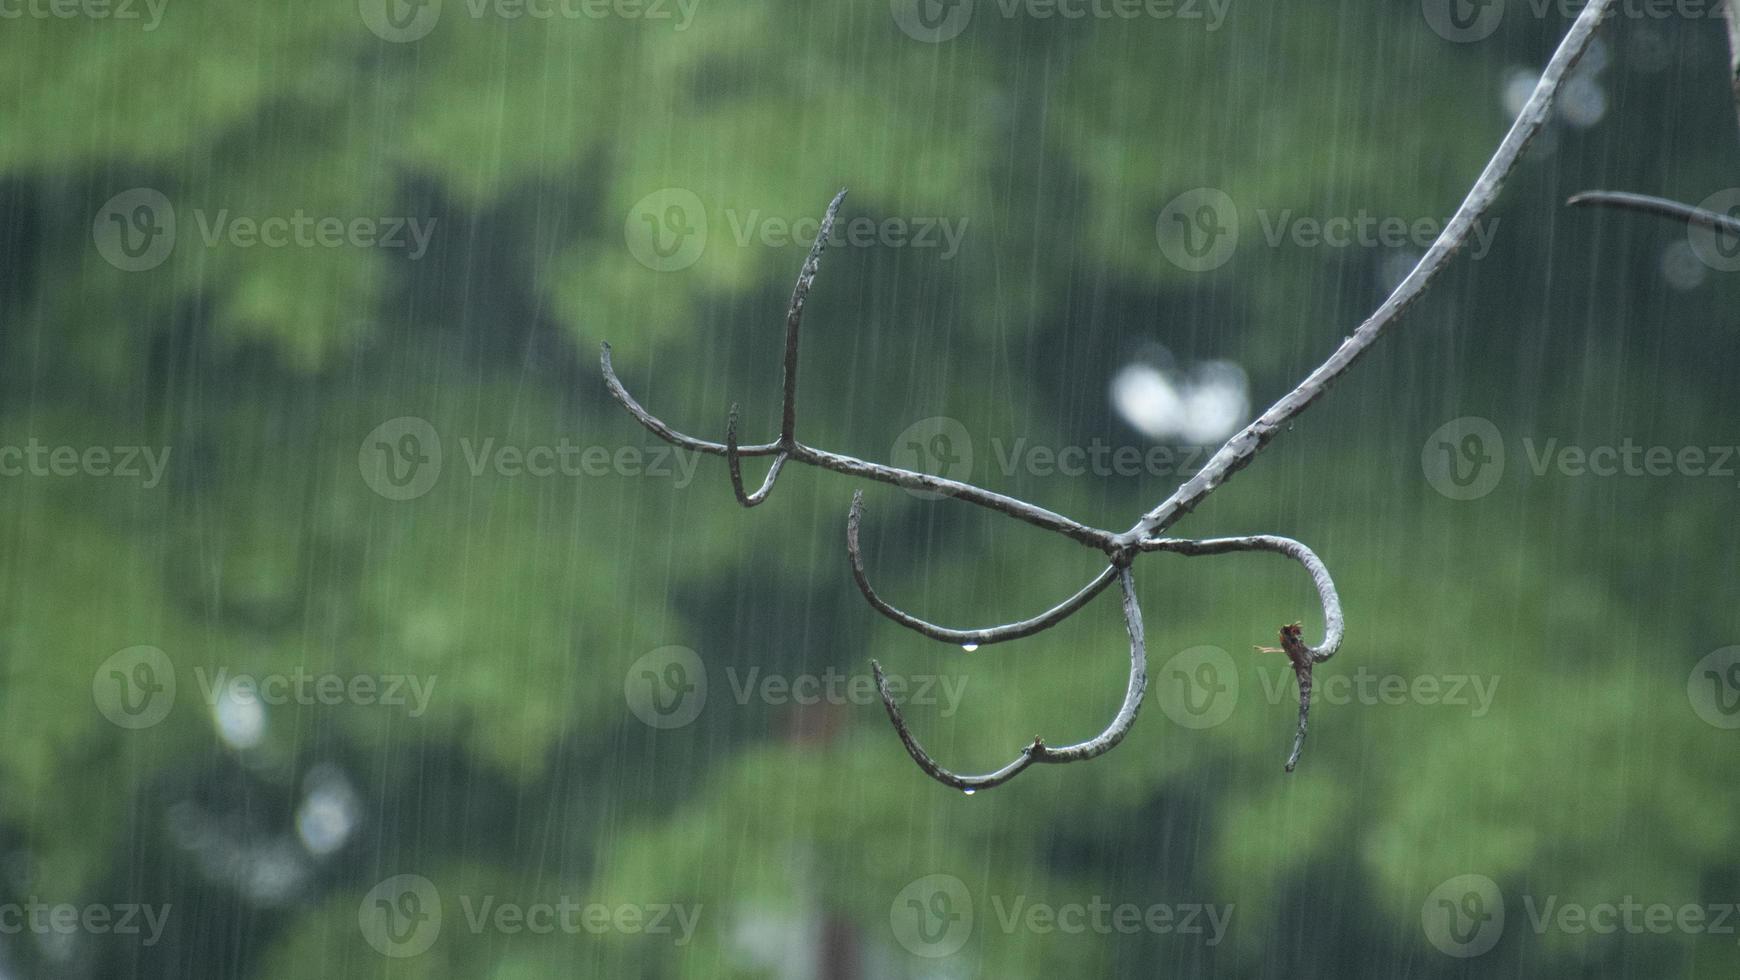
x=1302 y=660
x=794 y=318
x=1659 y=206
x=1038 y=751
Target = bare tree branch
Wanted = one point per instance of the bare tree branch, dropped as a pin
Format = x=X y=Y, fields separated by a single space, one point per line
x=1122 y=548
x=1038 y=751
x=1659 y=206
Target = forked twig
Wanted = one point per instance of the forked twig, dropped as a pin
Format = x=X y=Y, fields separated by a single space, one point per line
x=1121 y=548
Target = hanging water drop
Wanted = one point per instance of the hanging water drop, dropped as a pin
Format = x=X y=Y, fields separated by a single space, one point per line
x=969 y=791
x=969 y=647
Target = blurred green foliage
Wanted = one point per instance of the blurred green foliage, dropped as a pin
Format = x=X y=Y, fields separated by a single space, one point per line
x=530 y=143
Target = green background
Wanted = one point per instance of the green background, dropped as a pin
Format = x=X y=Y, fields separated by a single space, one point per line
x=1585 y=604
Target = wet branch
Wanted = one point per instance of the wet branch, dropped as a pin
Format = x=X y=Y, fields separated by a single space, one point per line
x=1658 y=206
x=1120 y=549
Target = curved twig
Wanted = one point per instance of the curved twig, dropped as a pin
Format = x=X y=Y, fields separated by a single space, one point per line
x=1303 y=656
x=732 y=458
x=972 y=637
x=1238 y=451
x=658 y=428
x=1038 y=751
x=1658 y=206
x=1333 y=626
